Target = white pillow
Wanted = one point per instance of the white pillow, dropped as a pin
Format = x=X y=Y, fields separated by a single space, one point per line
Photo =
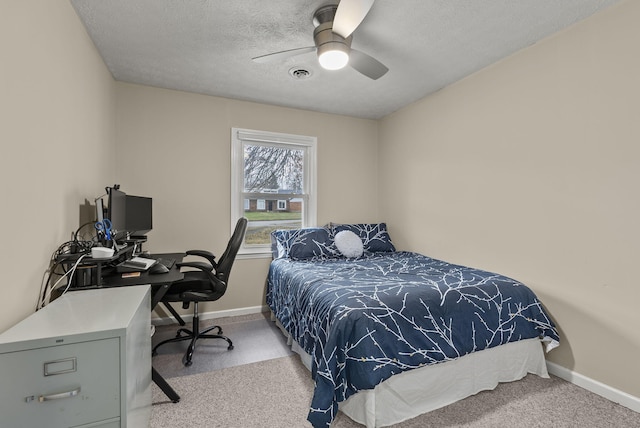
x=349 y=244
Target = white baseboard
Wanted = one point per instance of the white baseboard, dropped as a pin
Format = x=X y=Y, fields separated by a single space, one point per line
x=212 y=315
x=596 y=387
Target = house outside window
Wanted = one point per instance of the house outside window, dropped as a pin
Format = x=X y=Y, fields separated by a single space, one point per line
x=273 y=185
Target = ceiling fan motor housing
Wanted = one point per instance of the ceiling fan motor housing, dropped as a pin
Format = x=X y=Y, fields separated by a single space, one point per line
x=323 y=23
x=325 y=39
x=323 y=34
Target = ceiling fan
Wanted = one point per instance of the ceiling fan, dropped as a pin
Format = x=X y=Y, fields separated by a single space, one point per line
x=334 y=25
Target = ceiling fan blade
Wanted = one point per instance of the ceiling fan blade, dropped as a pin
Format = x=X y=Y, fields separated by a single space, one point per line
x=349 y=15
x=367 y=65
x=283 y=54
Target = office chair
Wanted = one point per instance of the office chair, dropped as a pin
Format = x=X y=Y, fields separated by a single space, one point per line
x=207 y=283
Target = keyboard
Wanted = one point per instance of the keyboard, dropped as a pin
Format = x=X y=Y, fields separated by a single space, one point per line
x=167 y=262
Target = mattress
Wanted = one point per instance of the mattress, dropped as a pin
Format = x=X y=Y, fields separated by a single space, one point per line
x=422 y=390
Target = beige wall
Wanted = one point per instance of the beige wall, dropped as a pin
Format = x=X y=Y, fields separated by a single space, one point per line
x=531 y=168
x=57 y=125
x=176 y=147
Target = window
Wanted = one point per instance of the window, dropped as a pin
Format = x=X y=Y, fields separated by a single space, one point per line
x=272 y=184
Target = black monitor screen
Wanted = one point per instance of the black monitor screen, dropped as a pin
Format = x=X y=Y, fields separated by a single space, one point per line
x=117 y=212
x=138 y=215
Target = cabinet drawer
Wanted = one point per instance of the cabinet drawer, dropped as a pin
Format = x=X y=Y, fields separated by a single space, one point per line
x=61 y=386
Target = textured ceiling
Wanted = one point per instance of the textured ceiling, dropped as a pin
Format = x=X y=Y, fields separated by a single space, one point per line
x=206 y=46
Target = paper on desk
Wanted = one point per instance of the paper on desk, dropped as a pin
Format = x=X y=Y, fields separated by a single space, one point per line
x=147 y=262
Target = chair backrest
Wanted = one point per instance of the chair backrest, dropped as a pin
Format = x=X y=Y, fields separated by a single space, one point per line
x=223 y=267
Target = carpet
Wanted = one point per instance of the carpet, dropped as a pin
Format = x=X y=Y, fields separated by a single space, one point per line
x=255 y=338
x=271 y=393
x=276 y=394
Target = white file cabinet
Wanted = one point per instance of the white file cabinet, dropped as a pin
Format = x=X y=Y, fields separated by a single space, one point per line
x=82 y=361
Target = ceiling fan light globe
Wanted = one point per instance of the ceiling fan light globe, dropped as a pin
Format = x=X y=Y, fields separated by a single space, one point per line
x=333 y=59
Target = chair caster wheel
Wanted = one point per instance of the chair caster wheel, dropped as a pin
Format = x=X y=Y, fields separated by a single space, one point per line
x=188 y=363
x=154 y=353
x=230 y=347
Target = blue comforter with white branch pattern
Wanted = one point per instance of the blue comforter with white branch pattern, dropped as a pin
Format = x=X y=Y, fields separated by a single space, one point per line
x=364 y=320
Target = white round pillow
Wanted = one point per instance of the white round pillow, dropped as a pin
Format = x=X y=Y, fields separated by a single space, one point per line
x=349 y=244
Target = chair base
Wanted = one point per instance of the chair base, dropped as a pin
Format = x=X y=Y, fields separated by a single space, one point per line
x=193 y=335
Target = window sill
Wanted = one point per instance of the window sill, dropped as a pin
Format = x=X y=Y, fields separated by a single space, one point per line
x=248 y=254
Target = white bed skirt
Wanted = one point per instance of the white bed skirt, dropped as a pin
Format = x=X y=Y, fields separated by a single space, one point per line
x=411 y=393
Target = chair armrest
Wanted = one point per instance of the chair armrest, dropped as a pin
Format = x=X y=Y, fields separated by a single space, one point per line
x=205 y=267
x=203 y=253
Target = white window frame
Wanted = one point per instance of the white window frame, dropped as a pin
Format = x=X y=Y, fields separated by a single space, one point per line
x=239 y=137
x=282 y=204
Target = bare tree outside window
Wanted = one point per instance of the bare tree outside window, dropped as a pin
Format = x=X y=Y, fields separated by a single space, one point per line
x=267 y=167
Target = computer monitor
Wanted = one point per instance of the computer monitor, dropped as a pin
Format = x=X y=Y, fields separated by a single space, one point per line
x=117 y=213
x=139 y=218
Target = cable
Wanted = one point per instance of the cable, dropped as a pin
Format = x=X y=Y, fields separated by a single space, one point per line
x=73 y=270
x=66 y=248
x=70 y=272
x=75 y=234
x=53 y=264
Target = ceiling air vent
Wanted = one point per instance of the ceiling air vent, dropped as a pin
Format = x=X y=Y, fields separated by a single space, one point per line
x=299 y=73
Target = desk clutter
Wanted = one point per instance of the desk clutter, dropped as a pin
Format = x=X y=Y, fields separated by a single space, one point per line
x=109 y=244
x=83 y=271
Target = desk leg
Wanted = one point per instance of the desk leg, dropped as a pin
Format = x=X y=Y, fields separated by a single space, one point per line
x=155 y=376
x=164 y=386
x=157 y=296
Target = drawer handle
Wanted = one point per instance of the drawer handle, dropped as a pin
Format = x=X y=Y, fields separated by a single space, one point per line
x=60 y=395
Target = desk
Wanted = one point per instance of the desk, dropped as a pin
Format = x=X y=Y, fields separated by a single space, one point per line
x=160 y=283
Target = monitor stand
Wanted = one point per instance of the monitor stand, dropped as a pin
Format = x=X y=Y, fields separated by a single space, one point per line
x=136 y=241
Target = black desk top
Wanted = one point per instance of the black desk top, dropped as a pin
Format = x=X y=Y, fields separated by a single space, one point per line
x=159 y=282
x=116 y=280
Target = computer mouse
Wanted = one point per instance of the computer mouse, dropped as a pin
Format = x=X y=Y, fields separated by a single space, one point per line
x=158 y=268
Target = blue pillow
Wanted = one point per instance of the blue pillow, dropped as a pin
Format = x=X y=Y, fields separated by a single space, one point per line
x=302 y=244
x=375 y=237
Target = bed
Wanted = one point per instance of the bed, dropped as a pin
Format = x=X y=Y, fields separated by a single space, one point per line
x=388 y=334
